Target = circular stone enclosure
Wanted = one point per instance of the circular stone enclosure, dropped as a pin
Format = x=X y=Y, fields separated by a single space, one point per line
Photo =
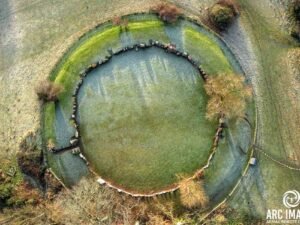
x=142 y=120
x=141 y=115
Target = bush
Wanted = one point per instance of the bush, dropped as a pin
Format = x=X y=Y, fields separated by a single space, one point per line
x=13 y=190
x=295 y=32
x=118 y=21
x=296 y=10
x=228 y=95
x=92 y=204
x=48 y=91
x=167 y=12
x=24 y=194
x=222 y=13
x=221 y=16
x=29 y=156
x=294 y=18
x=192 y=194
x=231 y=4
x=30 y=163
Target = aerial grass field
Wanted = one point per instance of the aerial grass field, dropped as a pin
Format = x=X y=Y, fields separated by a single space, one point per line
x=211 y=56
x=278 y=115
x=140 y=126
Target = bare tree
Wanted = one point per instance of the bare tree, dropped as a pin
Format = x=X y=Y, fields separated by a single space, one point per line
x=228 y=95
x=167 y=12
x=192 y=193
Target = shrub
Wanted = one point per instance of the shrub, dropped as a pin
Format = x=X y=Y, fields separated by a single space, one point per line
x=228 y=95
x=221 y=16
x=294 y=18
x=24 y=194
x=29 y=156
x=295 y=32
x=192 y=194
x=92 y=204
x=28 y=214
x=231 y=4
x=167 y=12
x=30 y=163
x=222 y=13
x=118 y=21
x=48 y=91
x=13 y=190
x=296 y=9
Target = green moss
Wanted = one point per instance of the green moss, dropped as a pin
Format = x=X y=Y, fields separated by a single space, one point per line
x=212 y=58
x=5 y=191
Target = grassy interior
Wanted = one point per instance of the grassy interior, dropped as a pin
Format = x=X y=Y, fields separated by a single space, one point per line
x=142 y=129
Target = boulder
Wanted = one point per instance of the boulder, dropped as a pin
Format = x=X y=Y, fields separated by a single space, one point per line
x=101 y=181
x=76 y=134
x=76 y=151
x=74 y=141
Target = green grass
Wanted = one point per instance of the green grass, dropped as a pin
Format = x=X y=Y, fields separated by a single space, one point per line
x=49 y=122
x=141 y=136
x=7 y=187
x=276 y=116
x=90 y=51
x=145 y=30
x=199 y=45
x=85 y=54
